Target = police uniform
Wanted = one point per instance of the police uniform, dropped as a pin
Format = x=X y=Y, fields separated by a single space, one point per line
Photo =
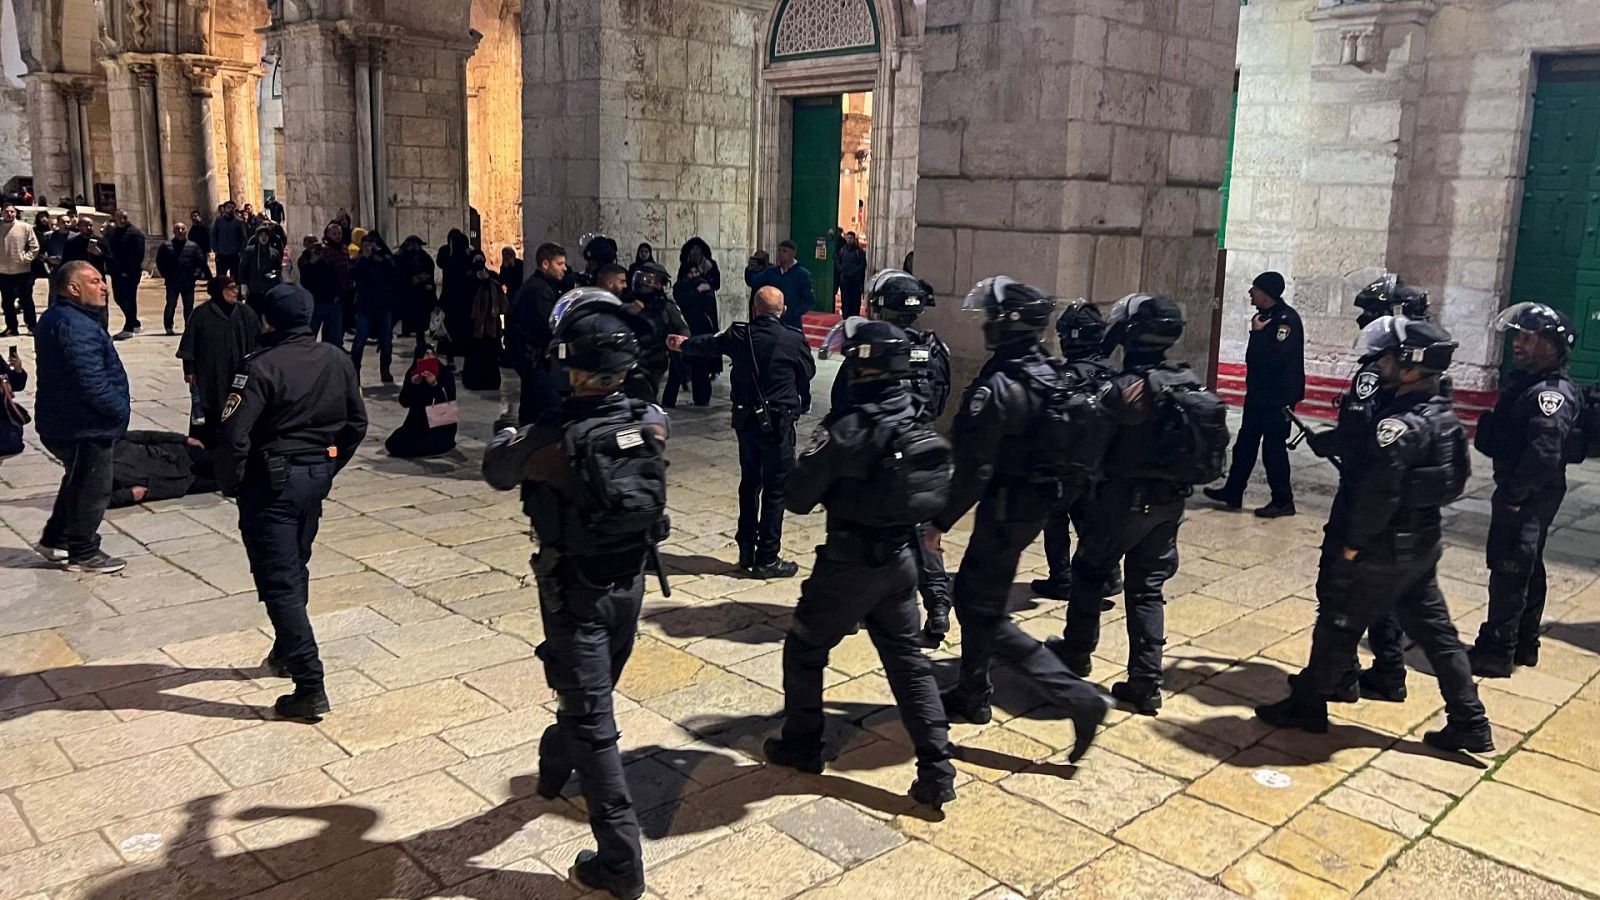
x=1415 y=461
x=1527 y=436
x=994 y=441
x=1075 y=510
x=663 y=318
x=591 y=586
x=1274 y=378
x=865 y=572
x=771 y=386
x=293 y=419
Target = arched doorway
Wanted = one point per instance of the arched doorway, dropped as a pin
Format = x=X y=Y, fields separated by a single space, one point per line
x=838 y=114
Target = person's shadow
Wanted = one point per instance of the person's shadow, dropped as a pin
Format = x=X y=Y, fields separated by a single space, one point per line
x=140 y=686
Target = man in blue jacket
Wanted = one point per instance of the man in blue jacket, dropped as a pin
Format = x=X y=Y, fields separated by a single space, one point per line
x=81 y=407
x=788 y=276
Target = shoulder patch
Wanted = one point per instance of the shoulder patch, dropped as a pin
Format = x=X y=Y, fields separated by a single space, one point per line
x=232 y=405
x=1283 y=331
x=979 y=401
x=1550 y=402
x=1389 y=431
x=240 y=380
x=1366 y=385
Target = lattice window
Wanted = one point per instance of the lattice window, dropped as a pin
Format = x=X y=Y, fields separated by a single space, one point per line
x=824 y=27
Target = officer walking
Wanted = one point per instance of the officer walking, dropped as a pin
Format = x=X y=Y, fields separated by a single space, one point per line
x=772 y=371
x=1415 y=462
x=1080 y=329
x=294 y=418
x=1275 y=378
x=1531 y=436
x=894 y=296
x=1139 y=505
x=881 y=472
x=650 y=302
x=593 y=478
x=1011 y=457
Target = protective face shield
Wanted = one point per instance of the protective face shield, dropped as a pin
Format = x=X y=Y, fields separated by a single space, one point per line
x=1413 y=342
x=1146 y=320
x=1081 y=329
x=593 y=331
x=649 y=280
x=985 y=295
x=1540 y=319
x=867 y=345
x=898 y=294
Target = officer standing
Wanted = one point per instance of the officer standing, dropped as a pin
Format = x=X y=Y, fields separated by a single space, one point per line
x=1008 y=456
x=1531 y=436
x=1275 y=378
x=293 y=419
x=1415 y=462
x=1080 y=329
x=649 y=300
x=881 y=472
x=593 y=478
x=894 y=296
x=1139 y=505
x=772 y=371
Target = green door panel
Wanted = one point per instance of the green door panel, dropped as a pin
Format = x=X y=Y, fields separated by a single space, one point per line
x=814 y=188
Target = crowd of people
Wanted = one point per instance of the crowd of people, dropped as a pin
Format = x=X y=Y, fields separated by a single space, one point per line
x=1107 y=442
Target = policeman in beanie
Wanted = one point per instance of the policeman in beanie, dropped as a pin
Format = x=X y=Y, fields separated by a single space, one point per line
x=593 y=478
x=881 y=472
x=1275 y=379
x=1415 y=462
x=1532 y=435
x=292 y=420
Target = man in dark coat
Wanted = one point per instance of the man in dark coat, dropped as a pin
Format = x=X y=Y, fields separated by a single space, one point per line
x=528 y=331
x=199 y=231
x=125 y=245
x=850 y=272
x=180 y=262
x=221 y=334
x=228 y=237
x=261 y=266
x=159 y=465
x=1275 y=380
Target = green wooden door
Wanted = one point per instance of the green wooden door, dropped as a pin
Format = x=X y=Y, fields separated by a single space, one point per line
x=1558 y=241
x=814 y=189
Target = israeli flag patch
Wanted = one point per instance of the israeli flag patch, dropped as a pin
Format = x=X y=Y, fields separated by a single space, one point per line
x=240 y=380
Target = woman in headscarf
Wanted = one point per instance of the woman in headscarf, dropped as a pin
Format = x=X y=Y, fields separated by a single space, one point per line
x=429 y=384
x=455 y=293
x=414 y=270
x=375 y=279
x=510 y=271
x=645 y=253
x=696 y=294
x=481 y=369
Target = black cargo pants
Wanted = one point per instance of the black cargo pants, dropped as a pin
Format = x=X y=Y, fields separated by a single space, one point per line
x=278 y=518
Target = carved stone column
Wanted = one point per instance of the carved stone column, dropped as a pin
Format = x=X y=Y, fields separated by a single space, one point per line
x=234 y=127
x=366 y=213
x=76 y=134
x=201 y=75
x=150 y=149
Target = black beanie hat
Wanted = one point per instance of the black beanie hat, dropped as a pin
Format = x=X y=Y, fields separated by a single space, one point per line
x=287 y=306
x=1271 y=283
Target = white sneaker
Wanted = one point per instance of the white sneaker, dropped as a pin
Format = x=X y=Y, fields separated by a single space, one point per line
x=51 y=554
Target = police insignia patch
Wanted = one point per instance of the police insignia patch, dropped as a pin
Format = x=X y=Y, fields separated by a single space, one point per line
x=1283 y=332
x=1389 y=431
x=1366 y=385
x=979 y=401
x=232 y=406
x=240 y=380
x=1550 y=402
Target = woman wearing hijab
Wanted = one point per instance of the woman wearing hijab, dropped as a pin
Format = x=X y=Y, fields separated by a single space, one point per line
x=644 y=254
x=414 y=271
x=481 y=369
x=510 y=271
x=429 y=396
x=455 y=293
x=696 y=294
x=375 y=279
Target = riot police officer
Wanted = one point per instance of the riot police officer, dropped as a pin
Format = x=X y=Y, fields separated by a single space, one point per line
x=1531 y=436
x=593 y=479
x=881 y=472
x=648 y=299
x=1012 y=458
x=1080 y=328
x=598 y=251
x=1415 y=462
x=1138 y=507
x=293 y=419
x=894 y=296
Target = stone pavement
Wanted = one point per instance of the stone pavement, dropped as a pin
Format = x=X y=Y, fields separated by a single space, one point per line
x=140 y=760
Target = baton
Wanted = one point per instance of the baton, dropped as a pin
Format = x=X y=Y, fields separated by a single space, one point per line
x=1302 y=432
x=654 y=555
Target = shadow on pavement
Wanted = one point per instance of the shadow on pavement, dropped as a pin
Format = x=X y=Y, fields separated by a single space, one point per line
x=141 y=686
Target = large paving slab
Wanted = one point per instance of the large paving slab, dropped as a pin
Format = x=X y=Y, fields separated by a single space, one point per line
x=139 y=757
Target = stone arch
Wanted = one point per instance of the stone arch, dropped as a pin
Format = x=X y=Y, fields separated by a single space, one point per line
x=810 y=29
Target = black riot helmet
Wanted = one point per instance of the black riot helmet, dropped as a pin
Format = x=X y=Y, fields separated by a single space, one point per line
x=1387 y=295
x=897 y=296
x=1537 y=318
x=598 y=249
x=1081 y=329
x=1014 y=313
x=593 y=332
x=870 y=350
x=1144 y=321
x=1415 y=342
x=650 y=279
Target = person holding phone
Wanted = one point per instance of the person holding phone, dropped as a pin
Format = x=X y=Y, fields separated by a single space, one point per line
x=13 y=378
x=428 y=392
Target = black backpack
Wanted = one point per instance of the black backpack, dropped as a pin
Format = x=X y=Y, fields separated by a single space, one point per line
x=621 y=475
x=1075 y=426
x=910 y=483
x=1191 y=425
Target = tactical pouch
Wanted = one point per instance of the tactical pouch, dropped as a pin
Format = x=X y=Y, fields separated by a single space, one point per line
x=277 y=472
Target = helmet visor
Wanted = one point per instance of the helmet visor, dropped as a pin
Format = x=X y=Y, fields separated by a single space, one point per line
x=1525 y=316
x=833 y=344
x=577 y=299
x=1381 y=335
x=883 y=277
x=985 y=293
x=1124 y=309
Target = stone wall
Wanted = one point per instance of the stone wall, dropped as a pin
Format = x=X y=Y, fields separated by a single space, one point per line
x=319 y=144
x=904 y=128
x=1412 y=161
x=15 y=156
x=425 y=138
x=1077 y=146
x=494 y=129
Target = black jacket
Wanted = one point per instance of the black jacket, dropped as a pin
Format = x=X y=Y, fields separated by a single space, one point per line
x=161 y=462
x=1416 y=436
x=769 y=359
x=296 y=397
x=200 y=233
x=12 y=416
x=1528 y=431
x=183 y=263
x=844 y=453
x=214 y=345
x=1275 y=360
x=261 y=268
x=928 y=381
x=125 y=246
x=528 y=323
x=80 y=386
